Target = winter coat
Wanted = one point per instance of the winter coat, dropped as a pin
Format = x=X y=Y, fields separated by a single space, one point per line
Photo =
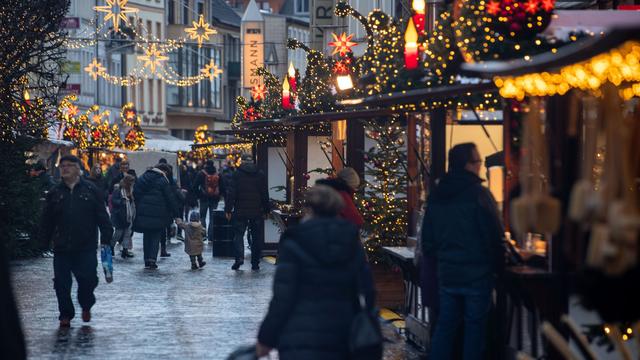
x=462 y=230
x=117 y=178
x=226 y=176
x=314 y=290
x=350 y=211
x=71 y=218
x=101 y=185
x=194 y=233
x=123 y=209
x=155 y=202
x=45 y=182
x=247 y=194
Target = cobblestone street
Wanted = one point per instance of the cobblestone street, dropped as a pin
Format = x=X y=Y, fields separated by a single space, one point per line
x=171 y=313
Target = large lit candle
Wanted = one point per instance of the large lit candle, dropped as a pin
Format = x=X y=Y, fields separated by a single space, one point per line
x=411 y=46
x=292 y=77
x=286 y=95
x=419 y=14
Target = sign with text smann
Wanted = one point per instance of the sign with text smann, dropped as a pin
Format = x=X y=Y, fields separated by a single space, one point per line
x=252 y=52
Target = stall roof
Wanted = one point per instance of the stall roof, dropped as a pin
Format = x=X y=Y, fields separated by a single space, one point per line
x=570 y=54
x=220 y=143
x=167 y=145
x=418 y=95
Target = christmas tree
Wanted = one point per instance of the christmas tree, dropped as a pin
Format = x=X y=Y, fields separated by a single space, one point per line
x=384 y=203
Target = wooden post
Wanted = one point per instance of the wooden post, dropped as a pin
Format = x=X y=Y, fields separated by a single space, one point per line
x=510 y=177
x=413 y=192
x=355 y=146
x=338 y=137
x=438 y=145
x=297 y=153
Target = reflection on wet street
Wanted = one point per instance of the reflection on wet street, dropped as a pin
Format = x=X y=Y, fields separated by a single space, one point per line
x=171 y=313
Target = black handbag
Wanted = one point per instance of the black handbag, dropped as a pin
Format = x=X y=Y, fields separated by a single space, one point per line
x=365 y=335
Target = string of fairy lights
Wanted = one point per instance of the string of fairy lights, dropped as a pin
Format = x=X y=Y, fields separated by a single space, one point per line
x=153 y=60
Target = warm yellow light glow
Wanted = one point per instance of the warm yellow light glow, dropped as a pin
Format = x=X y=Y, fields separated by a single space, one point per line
x=344 y=82
x=211 y=70
x=116 y=11
x=200 y=31
x=616 y=66
x=285 y=86
x=418 y=6
x=292 y=70
x=411 y=34
x=152 y=57
x=26 y=95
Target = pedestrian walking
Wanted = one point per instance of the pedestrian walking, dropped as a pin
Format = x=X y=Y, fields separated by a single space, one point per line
x=247 y=205
x=462 y=230
x=96 y=178
x=124 y=170
x=207 y=186
x=190 y=199
x=44 y=181
x=193 y=245
x=320 y=274
x=226 y=176
x=179 y=198
x=346 y=183
x=122 y=215
x=73 y=212
x=155 y=208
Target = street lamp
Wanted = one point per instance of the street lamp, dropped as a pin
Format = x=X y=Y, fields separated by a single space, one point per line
x=344 y=82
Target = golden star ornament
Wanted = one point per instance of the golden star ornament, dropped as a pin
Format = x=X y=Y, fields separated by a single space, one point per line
x=116 y=11
x=152 y=57
x=94 y=69
x=211 y=70
x=200 y=31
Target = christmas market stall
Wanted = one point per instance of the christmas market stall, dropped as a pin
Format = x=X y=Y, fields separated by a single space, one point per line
x=574 y=191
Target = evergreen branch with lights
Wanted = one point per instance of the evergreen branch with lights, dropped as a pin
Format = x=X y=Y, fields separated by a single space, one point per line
x=384 y=201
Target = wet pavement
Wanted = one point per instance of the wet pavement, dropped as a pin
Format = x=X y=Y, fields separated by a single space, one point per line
x=171 y=313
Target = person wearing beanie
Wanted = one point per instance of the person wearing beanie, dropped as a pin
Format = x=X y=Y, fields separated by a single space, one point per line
x=346 y=183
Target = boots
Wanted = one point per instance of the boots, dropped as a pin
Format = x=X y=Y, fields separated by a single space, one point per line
x=163 y=251
x=201 y=262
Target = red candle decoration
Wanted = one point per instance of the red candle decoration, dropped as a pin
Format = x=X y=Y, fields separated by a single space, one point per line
x=419 y=16
x=286 y=95
x=411 y=46
x=292 y=77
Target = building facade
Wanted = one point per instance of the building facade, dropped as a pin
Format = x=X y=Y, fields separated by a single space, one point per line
x=210 y=102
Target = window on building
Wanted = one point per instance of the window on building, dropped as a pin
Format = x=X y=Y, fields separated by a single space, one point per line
x=152 y=108
x=185 y=11
x=200 y=7
x=171 y=12
x=159 y=30
x=302 y=6
x=160 y=97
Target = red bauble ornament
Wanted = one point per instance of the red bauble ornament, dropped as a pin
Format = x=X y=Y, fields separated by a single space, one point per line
x=96 y=135
x=307 y=176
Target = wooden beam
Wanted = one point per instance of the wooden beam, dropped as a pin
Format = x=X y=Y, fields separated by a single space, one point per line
x=338 y=138
x=297 y=152
x=413 y=192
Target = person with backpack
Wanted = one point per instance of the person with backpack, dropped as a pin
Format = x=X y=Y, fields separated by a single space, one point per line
x=207 y=186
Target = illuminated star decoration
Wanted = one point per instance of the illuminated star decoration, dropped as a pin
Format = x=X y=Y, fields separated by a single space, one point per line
x=72 y=110
x=258 y=92
x=211 y=70
x=548 y=5
x=493 y=7
x=342 y=44
x=200 y=31
x=116 y=11
x=152 y=57
x=531 y=6
x=94 y=69
x=341 y=67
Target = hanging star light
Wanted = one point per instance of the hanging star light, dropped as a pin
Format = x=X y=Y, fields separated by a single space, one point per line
x=71 y=110
x=493 y=7
x=548 y=5
x=116 y=11
x=200 y=31
x=94 y=69
x=531 y=6
x=342 y=44
x=211 y=70
x=152 y=57
x=258 y=92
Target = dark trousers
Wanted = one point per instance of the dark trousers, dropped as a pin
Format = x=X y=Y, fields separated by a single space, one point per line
x=255 y=228
x=151 y=243
x=83 y=266
x=470 y=303
x=165 y=234
x=210 y=204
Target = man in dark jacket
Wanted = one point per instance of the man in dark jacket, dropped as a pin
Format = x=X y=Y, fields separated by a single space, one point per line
x=124 y=169
x=207 y=186
x=247 y=204
x=463 y=230
x=72 y=215
x=156 y=207
x=226 y=176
